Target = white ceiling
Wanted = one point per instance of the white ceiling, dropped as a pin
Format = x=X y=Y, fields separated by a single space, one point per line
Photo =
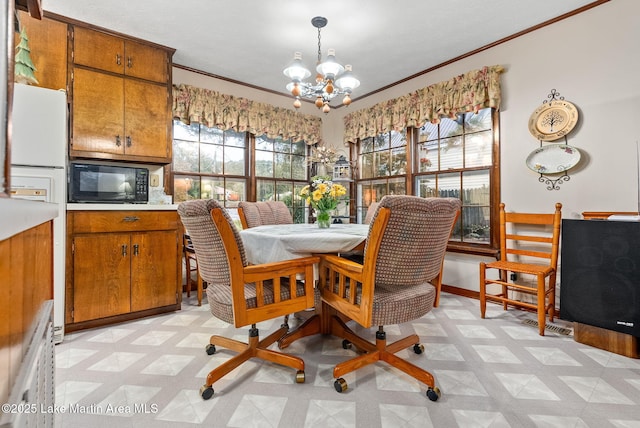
x=251 y=41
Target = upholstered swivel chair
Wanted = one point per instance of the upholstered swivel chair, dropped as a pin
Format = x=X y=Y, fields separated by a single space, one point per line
x=260 y=213
x=529 y=244
x=242 y=294
x=397 y=282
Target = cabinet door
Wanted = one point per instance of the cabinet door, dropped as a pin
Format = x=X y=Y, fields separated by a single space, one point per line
x=98 y=113
x=154 y=269
x=146 y=119
x=98 y=50
x=146 y=62
x=101 y=276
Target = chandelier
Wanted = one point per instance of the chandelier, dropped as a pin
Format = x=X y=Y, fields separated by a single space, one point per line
x=332 y=79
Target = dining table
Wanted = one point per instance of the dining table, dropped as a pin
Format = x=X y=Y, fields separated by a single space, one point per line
x=277 y=242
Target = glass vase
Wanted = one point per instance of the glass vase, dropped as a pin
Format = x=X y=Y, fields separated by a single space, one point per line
x=323 y=219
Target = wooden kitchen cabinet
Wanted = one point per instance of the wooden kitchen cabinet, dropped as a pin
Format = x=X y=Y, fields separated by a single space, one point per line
x=120 y=98
x=48 y=45
x=116 y=116
x=106 y=52
x=121 y=265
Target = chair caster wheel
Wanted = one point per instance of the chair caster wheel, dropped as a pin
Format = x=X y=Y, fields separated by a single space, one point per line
x=346 y=344
x=206 y=392
x=211 y=349
x=340 y=385
x=300 y=376
x=433 y=393
x=418 y=348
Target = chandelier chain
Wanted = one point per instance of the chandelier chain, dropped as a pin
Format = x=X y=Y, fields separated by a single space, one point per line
x=319 y=48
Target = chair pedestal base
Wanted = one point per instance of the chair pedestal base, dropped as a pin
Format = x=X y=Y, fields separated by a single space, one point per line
x=328 y=322
x=379 y=351
x=254 y=348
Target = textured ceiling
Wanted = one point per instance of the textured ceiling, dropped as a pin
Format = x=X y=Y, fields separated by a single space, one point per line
x=251 y=41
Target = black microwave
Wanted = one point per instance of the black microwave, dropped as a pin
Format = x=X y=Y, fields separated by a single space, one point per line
x=108 y=184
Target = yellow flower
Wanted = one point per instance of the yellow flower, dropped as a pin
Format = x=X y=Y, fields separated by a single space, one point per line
x=323 y=194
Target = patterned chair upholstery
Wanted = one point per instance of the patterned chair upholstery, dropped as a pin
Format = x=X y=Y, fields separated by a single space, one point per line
x=398 y=281
x=243 y=294
x=254 y=214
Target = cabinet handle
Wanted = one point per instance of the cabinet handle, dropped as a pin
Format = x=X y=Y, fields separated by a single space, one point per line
x=124 y=250
x=118 y=143
x=118 y=59
x=128 y=140
x=131 y=218
x=136 y=248
x=129 y=62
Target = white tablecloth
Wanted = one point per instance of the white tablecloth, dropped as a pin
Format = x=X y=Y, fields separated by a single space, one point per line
x=271 y=243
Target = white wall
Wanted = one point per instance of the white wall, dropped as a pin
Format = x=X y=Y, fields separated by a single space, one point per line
x=592 y=59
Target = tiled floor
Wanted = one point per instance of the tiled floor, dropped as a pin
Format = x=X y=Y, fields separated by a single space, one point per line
x=496 y=372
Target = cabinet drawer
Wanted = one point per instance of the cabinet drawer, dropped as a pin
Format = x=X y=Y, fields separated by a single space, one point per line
x=122 y=221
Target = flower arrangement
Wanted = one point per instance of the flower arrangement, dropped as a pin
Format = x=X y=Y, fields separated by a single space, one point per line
x=323 y=195
x=323 y=154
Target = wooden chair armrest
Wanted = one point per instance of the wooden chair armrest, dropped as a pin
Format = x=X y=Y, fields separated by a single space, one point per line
x=342 y=263
x=285 y=265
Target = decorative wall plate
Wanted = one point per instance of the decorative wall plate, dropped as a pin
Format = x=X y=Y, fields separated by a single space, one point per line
x=553 y=158
x=553 y=120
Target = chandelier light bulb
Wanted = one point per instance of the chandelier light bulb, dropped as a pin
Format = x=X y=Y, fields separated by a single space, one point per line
x=326 y=109
x=319 y=101
x=297 y=104
x=346 y=100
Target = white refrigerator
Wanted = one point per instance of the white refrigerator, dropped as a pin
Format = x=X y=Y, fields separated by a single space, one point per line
x=38 y=169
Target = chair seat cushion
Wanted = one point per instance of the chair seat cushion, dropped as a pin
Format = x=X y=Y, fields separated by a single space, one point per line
x=220 y=301
x=399 y=305
x=529 y=268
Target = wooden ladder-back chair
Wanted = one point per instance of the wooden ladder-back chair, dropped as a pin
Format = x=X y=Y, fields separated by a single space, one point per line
x=259 y=213
x=397 y=282
x=370 y=212
x=529 y=244
x=242 y=294
x=191 y=268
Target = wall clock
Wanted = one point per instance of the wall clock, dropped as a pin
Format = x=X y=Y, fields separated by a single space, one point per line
x=553 y=120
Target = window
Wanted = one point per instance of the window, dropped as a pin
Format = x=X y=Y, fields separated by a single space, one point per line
x=281 y=172
x=209 y=163
x=382 y=169
x=454 y=158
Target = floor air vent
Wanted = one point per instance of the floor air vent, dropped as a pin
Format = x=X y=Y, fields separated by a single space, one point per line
x=550 y=327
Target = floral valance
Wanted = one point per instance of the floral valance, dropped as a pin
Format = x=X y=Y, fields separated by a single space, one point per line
x=467 y=92
x=216 y=110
